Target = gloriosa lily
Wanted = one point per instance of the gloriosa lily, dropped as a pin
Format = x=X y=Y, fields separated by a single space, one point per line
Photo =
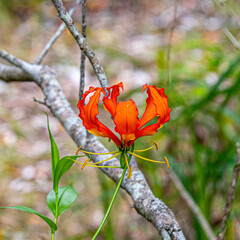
x=125 y=117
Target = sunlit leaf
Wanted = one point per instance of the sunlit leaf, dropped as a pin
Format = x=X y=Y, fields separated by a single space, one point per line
x=66 y=196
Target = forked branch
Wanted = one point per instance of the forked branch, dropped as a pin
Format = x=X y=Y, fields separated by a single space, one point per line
x=81 y=41
x=55 y=36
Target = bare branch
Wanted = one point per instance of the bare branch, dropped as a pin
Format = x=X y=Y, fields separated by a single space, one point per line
x=146 y=204
x=98 y=69
x=192 y=205
x=228 y=206
x=83 y=57
x=31 y=69
x=82 y=76
x=55 y=36
x=13 y=74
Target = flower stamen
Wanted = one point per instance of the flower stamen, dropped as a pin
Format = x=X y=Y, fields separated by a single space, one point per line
x=146 y=159
x=91 y=165
x=125 y=156
x=130 y=172
x=103 y=166
x=113 y=156
x=146 y=149
x=79 y=149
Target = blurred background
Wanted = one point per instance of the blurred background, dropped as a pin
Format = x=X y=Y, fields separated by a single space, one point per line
x=191 y=48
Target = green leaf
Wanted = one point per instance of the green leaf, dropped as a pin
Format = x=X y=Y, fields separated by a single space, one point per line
x=66 y=196
x=52 y=225
x=54 y=149
x=62 y=167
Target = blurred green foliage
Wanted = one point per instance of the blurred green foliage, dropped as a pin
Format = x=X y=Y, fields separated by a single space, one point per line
x=204 y=127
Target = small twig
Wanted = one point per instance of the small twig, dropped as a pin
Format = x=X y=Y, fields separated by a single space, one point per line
x=83 y=57
x=233 y=40
x=85 y=48
x=44 y=102
x=228 y=206
x=192 y=205
x=55 y=36
x=170 y=41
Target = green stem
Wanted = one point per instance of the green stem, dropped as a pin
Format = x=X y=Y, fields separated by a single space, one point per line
x=56 y=214
x=56 y=210
x=110 y=205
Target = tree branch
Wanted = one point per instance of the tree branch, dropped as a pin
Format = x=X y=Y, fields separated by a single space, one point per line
x=55 y=36
x=83 y=57
x=13 y=74
x=31 y=69
x=82 y=43
x=146 y=204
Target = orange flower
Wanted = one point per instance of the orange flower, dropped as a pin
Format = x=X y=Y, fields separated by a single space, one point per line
x=124 y=114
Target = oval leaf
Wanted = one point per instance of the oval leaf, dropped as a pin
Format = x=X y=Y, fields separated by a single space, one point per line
x=52 y=225
x=54 y=148
x=66 y=196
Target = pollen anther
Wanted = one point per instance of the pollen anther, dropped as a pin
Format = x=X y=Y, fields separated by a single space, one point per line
x=85 y=163
x=78 y=150
x=156 y=145
x=166 y=161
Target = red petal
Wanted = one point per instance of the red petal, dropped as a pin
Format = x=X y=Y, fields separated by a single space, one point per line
x=110 y=100
x=126 y=120
x=149 y=130
x=89 y=112
x=157 y=106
